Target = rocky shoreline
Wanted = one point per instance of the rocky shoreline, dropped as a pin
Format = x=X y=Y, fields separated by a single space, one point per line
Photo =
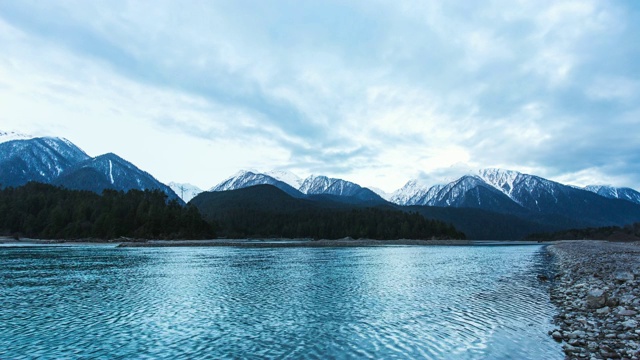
x=596 y=288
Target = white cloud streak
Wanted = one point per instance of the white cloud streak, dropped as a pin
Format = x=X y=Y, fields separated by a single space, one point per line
x=376 y=92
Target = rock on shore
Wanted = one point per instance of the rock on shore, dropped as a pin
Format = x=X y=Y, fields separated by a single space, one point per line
x=597 y=291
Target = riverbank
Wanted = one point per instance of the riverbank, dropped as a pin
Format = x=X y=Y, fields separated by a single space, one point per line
x=260 y=243
x=286 y=243
x=597 y=291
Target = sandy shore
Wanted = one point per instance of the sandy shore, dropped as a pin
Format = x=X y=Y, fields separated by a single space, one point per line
x=597 y=291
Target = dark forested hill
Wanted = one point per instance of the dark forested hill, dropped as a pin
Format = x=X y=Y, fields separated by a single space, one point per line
x=266 y=211
x=45 y=211
x=629 y=232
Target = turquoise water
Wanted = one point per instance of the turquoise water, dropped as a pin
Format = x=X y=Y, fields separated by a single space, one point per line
x=211 y=303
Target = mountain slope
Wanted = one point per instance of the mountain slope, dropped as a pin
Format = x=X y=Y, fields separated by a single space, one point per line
x=39 y=159
x=413 y=192
x=471 y=192
x=322 y=185
x=544 y=196
x=266 y=211
x=12 y=135
x=528 y=196
x=286 y=177
x=244 y=179
x=110 y=171
x=185 y=191
x=615 y=192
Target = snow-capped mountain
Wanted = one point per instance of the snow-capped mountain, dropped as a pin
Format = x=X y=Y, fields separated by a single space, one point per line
x=530 y=191
x=311 y=186
x=414 y=192
x=383 y=194
x=287 y=177
x=615 y=192
x=468 y=191
x=185 y=191
x=322 y=185
x=38 y=159
x=12 y=135
x=109 y=171
x=503 y=180
x=511 y=192
x=244 y=179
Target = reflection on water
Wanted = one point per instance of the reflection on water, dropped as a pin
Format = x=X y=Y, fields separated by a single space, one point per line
x=403 y=302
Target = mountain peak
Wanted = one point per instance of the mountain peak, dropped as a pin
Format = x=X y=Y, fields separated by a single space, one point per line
x=12 y=135
x=244 y=178
x=612 y=192
x=503 y=180
x=185 y=191
x=286 y=177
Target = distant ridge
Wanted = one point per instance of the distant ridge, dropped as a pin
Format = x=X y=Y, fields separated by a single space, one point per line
x=37 y=159
x=57 y=161
x=615 y=192
x=341 y=190
x=543 y=204
x=109 y=171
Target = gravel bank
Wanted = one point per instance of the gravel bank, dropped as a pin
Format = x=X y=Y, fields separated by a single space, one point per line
x=597 y=291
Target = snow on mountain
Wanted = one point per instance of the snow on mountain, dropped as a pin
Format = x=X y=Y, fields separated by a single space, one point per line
x=286 y=177
x=460 y=193
x=615 y=192
x=383 y=194
x=37 y=159
x=185 y=191
x=244 y=178
x=411 y=193
x=525 y=190
x=12 y=135
x=503 y=180
x=323 y=185
x=313 y=185
x=109 y=171
x=532 y=192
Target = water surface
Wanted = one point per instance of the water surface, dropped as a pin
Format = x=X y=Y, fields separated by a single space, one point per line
x=381 y=302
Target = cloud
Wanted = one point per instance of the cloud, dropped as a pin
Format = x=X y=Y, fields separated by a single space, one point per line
x=373 y=90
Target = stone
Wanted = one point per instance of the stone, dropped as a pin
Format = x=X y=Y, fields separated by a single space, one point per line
x=624 y=276
x=576 y=334
x=557 y=336
x=612 y=302
x=604 y=310
x=596 y=299
x=626 y=312
x=571 y=349
x=630 y=324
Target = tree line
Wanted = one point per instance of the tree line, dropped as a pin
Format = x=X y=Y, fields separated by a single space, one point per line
x=629 y=232
x=44 y=211
x=370 y=223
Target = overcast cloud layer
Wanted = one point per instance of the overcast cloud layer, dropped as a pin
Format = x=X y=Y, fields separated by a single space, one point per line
x=376 y=92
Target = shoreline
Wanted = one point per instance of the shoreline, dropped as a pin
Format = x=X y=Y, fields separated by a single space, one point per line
x=596 y=288
x=261 y=243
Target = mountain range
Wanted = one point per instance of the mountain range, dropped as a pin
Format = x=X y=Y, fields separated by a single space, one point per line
x=511 y=204
x=535 y=203
x=57 y=161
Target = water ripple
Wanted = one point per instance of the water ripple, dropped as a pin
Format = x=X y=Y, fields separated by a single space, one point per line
x=212 y=303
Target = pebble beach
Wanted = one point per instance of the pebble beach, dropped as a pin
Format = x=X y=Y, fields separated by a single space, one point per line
x=596 y=288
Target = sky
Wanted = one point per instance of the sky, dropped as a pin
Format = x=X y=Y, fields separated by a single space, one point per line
x=375 y=92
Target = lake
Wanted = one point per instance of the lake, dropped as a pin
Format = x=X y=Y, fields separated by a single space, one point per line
x=431 y=302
